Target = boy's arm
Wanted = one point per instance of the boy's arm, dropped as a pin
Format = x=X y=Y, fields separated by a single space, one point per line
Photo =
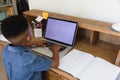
x=55 y=58
x=36 y=42
x=54 y=48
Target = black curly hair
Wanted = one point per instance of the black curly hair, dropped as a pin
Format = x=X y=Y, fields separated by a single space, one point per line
x=14 y=26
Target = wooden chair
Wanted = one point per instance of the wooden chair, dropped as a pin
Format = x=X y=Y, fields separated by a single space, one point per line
x=3 y=75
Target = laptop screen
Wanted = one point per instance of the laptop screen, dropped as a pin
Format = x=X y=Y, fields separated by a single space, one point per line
x=60 y=30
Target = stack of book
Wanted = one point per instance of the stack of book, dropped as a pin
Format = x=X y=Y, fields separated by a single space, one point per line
x=6 y=9
x=2 y=15
x=5 y=2
x=10 y=11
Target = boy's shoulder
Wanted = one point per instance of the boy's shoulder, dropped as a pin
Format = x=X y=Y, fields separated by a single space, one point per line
x=17 y=50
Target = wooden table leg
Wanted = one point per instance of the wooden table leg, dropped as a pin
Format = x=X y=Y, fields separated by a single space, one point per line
x=93 y=37
x=117 y=61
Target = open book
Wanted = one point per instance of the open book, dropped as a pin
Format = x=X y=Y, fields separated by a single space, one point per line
x=85 y=66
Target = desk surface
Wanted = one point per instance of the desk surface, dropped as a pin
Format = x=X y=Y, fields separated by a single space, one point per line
x=99 y=26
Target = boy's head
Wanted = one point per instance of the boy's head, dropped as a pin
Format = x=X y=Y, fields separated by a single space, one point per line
x=16 y=30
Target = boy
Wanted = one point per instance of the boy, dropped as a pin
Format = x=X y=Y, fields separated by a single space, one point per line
x=19 y=60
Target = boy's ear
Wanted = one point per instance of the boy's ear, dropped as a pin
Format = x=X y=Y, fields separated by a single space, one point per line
x=28 y=38
x=30 y=31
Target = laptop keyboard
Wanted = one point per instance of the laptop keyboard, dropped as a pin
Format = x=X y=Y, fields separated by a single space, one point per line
x=49 y=44
x=62 y=48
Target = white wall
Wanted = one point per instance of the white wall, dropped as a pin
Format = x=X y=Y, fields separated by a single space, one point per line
x=103 y=10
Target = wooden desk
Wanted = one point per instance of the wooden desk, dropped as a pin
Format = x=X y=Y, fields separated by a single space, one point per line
x=56 y=74
x=117 y=62
x=95 y=26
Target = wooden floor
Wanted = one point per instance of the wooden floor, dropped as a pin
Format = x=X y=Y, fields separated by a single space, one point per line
x=101 y=49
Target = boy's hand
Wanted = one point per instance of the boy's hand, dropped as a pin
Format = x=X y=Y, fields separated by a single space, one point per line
x=41 y=43
x=55 y=48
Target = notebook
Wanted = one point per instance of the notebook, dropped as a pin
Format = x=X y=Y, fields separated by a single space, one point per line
x=61 y=32
x=85 y=66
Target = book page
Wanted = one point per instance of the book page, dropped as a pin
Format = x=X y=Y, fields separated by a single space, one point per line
x=75 y=61
x=99 y=69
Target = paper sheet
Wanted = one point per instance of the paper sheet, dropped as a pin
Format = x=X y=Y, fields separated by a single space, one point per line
x=75 y=61
x=44 y=15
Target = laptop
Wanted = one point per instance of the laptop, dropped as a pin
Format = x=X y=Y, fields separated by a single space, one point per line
x=61 y=32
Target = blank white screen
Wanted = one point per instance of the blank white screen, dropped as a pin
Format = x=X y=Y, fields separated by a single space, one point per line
x=60 y=30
